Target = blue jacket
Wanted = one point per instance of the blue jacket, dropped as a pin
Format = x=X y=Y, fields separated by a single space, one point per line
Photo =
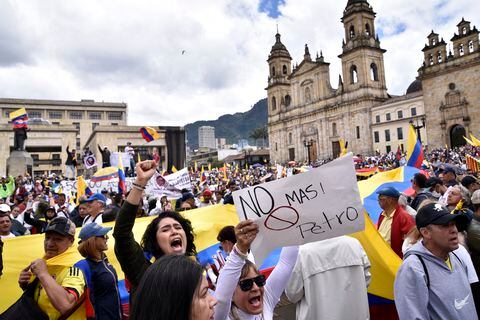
x=102 y=282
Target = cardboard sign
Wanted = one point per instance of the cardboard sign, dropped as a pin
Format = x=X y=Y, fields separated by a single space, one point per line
x=319 y=204
x=169 y=185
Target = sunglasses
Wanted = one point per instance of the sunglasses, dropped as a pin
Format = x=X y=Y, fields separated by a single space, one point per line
x=247 y=284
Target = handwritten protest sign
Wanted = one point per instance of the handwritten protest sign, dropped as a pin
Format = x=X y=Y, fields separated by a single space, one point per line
x=319 y=204
x=169 y=185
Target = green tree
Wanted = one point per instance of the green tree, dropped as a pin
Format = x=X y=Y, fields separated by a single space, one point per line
x=260 y=133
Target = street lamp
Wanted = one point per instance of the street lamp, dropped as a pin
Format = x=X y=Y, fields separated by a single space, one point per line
x=418 y=127
x=308 y=144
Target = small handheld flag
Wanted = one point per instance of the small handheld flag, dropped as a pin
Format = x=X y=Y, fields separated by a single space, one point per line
x=122 y=188
x=414 y=149
x=149 y=134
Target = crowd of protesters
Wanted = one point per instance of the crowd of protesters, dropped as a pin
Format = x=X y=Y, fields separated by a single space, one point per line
x=436 y=231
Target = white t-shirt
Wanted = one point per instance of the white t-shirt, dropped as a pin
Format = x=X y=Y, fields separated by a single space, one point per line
x=88 y=219
x=11 y=235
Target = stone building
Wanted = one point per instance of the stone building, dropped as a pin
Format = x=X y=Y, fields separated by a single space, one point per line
x=306 y=114
x=451 y=86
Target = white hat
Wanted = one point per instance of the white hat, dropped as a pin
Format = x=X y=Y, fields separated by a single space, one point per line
x=5 y=208
x=476 y=197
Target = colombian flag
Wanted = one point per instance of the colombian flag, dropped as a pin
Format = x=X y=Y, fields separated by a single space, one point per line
x=122 y=188
x=82 y=188
x=149 y=134
x=414 y=149
x=19 y=118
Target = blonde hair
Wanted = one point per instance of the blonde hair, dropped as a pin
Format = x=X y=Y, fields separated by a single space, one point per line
x=88 y=249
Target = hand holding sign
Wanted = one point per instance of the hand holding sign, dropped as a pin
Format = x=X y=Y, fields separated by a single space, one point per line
x=319 y=204
x=245 y=232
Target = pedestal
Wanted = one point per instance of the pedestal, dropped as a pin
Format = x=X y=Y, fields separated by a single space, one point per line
x=19 y=163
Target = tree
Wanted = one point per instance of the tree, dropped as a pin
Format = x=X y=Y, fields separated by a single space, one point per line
x=259 y=133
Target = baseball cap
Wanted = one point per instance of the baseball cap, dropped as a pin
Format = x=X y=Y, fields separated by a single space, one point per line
x=5 y=208
x=389 y=192
x=476 y=197
x=435 y=213
x=207 y=193
x=450 y=169
x=61 y=225
x=468 y=180
x=93 y=230
x=96 y=196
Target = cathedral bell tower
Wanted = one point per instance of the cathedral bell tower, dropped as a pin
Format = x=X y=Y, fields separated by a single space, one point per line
x=362 y=57
x=278 y=88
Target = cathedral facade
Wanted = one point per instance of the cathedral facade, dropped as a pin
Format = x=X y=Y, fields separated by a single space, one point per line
x=308 y=119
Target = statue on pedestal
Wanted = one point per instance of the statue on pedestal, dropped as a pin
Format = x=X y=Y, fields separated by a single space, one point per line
x=19 y=138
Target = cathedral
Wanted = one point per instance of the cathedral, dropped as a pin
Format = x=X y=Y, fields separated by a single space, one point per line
x=308 y=119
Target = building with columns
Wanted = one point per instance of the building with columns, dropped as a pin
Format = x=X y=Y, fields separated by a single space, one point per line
x=307 y=116
x=303 y=107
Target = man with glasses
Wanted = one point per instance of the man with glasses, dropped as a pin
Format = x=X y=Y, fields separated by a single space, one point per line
x=394 y=222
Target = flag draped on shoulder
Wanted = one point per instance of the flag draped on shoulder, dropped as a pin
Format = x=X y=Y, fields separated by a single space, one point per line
x=149 y=134
x=414 y=149
x=19 y=118
x=122 y=188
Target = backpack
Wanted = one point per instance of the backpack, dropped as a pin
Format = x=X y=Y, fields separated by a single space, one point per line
x=84 y=266
x=426 y=270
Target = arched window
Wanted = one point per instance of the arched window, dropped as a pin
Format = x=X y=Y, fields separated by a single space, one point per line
x=284 y=69
x=373 y=72
x=308 y=96
x=334 y=129
x=273 y=71
x=274 y=103
x=439 y=57
x=288 y=100
x=367 y=30
x=352 y=32
x=290 y=138
x=470 y=46
x=461 y=50
x=464 y=30
x=430 y=59
x=353 y=74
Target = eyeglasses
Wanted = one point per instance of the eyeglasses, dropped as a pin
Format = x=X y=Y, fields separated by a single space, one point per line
x=247 y=284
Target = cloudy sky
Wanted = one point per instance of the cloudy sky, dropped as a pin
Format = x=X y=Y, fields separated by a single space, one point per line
x=180 y=61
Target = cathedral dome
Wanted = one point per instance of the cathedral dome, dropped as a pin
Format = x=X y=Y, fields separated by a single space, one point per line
x=279 y=49
x=415 y=86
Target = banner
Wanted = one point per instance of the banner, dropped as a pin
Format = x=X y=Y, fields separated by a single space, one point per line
x=308 y=207
x=169 y=185
x=125 y=159
x=89 y=161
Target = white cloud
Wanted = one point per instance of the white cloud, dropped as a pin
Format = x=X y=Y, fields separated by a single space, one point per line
x=132 y=51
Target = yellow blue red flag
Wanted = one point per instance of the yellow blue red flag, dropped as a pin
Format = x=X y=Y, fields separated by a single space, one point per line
x=149 y=134
x=414 y=149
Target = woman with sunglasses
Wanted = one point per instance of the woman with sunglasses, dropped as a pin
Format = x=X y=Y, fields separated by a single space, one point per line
x=102 y=281
x=242 y=292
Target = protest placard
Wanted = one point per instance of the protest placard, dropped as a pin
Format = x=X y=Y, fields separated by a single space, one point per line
x=125 y=159
x=319 y=204
x=169 y=185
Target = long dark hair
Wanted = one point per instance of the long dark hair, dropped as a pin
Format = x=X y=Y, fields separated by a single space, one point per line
x=149 y=240
x=166 y=290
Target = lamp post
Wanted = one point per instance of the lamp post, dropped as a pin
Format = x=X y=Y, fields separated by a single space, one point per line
x=308 y=144
x=418 y=127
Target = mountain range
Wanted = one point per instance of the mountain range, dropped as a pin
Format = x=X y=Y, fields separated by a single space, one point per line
x=233 y=127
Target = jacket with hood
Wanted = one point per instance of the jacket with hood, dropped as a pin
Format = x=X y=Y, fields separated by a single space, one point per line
x=448 y=295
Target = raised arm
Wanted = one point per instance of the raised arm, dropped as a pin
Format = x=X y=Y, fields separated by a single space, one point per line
x=128 y=251
x=245 y=233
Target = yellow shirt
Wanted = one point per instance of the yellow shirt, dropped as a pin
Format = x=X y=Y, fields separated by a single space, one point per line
x=70 y=278
x=385 y=228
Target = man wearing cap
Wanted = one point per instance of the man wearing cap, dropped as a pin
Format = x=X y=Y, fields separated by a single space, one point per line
x=131 y=156
x=471 y=183
x=5 y=225
x=206 y=198
x=432 y=282
x=449 y=177
x=59 y=287
x=394 y=222
x=95 y=207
